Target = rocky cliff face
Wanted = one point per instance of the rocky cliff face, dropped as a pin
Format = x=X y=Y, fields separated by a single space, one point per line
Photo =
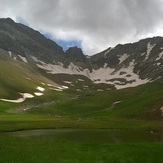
x=122 y=66
x=143 y=59
x=22 y=40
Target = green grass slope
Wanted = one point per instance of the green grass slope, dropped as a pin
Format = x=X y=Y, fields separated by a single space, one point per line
x=130 y=108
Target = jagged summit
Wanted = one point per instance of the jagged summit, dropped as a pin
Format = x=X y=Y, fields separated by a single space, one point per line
x=8 y=20
x=22 y=40
x=123 y=66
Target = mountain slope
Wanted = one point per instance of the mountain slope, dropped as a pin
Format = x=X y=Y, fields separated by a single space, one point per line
x=122 y=66
x=24 y=41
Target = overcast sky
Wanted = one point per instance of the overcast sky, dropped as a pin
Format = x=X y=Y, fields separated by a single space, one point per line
x=92 y=24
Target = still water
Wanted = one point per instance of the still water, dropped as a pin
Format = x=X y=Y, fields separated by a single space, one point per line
x=92 y=136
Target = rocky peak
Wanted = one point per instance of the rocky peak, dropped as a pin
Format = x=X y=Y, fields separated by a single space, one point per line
x=74 y=53
x=7 y=20
x=76 y=56
x=122 y=66
x=22 y=40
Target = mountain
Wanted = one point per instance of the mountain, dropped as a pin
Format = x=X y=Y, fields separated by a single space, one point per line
x=24 y=41
x=123 y=66
x=131 y=64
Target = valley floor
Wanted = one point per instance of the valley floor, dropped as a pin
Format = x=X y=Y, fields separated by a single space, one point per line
x=13 y=149
x=129 y=109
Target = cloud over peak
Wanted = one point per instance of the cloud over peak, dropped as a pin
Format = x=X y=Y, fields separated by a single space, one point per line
x=96 y=24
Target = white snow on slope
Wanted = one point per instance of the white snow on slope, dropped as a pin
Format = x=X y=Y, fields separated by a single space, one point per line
x=38 y=93
x=149 y=49
x=100 y=90
x=160 y=55
x=19 y=100
x=117 y=102
x=59 y=69
x=10 y=53
x=80 y=80
x=105 y=65
x=123 y=58
x=107 y=74
x=51 y=85
x=158 y=63
x=101 y=75
x=64 y=87
x=27 y=95
x=40 y=89
x=108 y=51
x=68 y=82
x=43 y=83
x=142 y=54
x=56 y=89
x=23 y=59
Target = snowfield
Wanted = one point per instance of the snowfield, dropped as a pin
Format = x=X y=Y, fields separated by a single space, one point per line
x=101 y=75
x=19 y=100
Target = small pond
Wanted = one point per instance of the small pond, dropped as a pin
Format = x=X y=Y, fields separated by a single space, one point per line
x=93 y=136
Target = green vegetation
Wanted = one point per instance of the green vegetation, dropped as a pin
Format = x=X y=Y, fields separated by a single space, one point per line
x=132 y=108
x=29 y=150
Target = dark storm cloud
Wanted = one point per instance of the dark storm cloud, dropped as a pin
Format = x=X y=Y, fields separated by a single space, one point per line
x=98 y=24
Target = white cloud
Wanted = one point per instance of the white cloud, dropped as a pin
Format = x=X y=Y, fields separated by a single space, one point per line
x=97 y=24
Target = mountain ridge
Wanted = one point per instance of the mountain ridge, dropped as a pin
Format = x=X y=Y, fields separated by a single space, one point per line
x=125 y=65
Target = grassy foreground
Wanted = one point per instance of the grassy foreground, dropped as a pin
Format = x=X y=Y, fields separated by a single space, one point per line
x=40 y=151
x=137 y=108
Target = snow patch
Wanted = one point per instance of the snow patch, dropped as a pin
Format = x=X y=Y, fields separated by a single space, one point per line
x=19 y=100
x=43 y=83
x=55 y=89
x=160 y=55
x=105 y=65
x=108 y=74
x=27 y=95
x=40 y=89
x=23 y=59
x=64 y=87
x=117 y=102
x=100 y=90
x=10 y=53
x=38 y=93
x=143 y=54
x=107 y=51
x=51 y=85
x=123 y=58
x=59 y=69
x=101 y=75
x=80 y=80
x=28 y=78
x=155 y=79
x=68 y=82
x=59 y=87
x=85 y=86
x=158 y=64
x=149 y=49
